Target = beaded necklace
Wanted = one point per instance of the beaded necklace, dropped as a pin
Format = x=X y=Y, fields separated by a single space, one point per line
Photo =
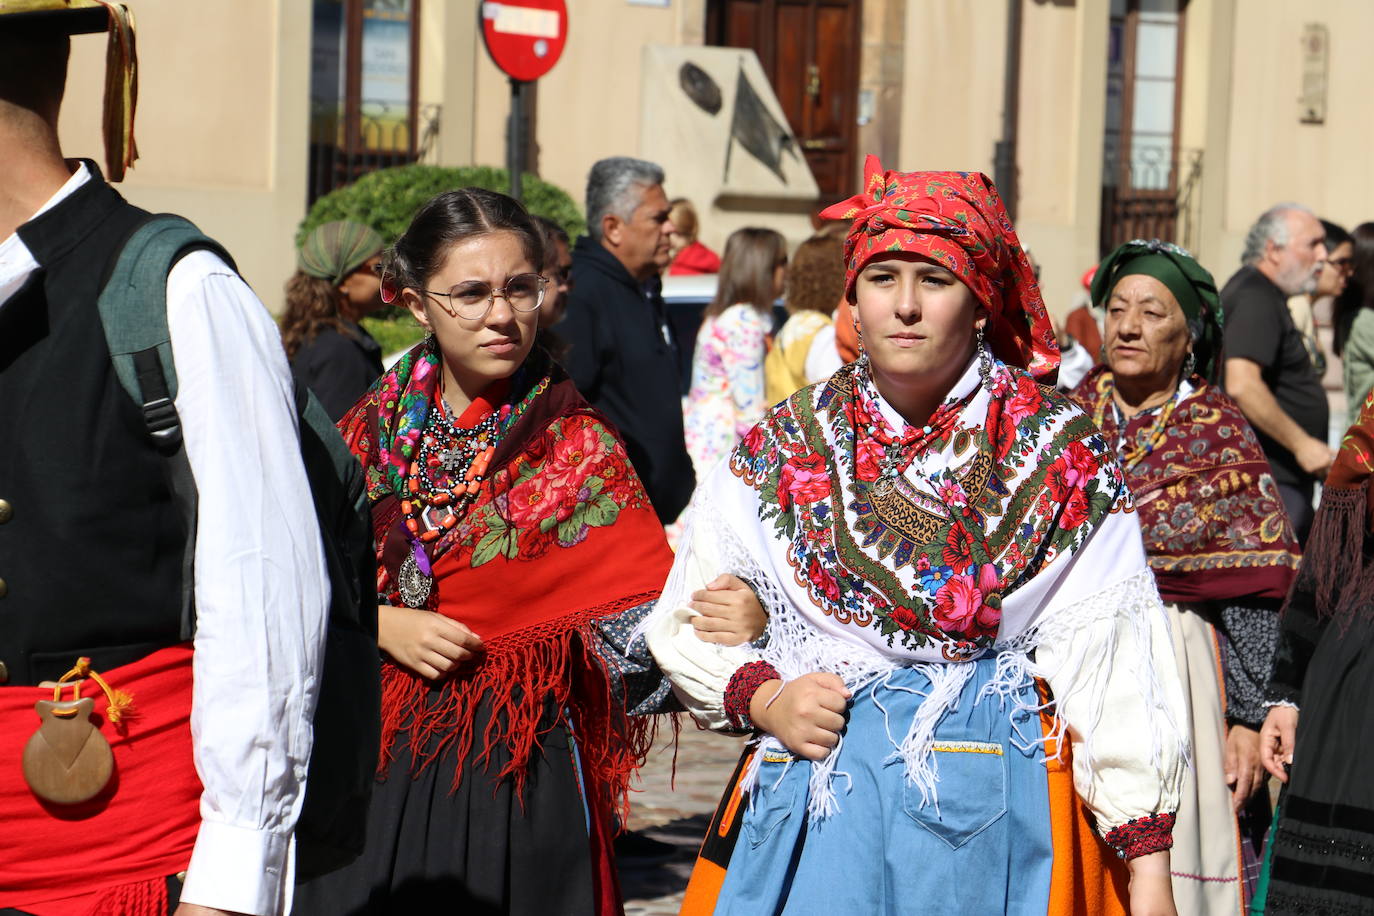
x=444 y=479
x=448 y=470
x=900 y=449
x=1138 y=450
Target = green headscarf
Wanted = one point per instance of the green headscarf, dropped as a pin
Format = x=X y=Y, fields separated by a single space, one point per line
x=1183 y=276
x=334 y=250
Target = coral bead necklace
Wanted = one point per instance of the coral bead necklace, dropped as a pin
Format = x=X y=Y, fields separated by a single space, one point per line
x=447 y=471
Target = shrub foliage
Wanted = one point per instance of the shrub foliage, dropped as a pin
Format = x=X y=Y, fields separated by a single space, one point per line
x=387 y=199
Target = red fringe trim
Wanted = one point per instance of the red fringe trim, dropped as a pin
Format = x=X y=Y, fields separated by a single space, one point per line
x=523 y=673
x=1334 y=565
x=142 y=898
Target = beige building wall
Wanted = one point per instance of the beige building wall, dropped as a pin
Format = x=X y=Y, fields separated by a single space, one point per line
x=1061 y=116
x=449 y=46
x=1205 y=115
x=951 y=116
x=1271 y=156
x=952 y=84
x=222 y=120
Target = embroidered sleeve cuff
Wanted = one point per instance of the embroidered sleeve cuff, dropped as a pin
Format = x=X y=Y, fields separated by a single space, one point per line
x=1142 y=836
x=238 y=869
x=744 y=683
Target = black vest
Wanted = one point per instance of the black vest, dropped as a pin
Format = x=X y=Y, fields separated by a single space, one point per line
x=91 y=555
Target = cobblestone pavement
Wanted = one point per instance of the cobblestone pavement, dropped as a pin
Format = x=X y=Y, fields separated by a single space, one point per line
x=677 y=811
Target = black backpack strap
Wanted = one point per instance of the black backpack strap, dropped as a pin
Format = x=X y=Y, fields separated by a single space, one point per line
x=133 y=313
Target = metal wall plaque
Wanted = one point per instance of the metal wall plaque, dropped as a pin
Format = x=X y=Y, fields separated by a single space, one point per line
x=1316 y=44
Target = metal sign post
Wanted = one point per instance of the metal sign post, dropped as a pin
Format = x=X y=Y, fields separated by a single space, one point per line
x=517 y=141
x=525 y=38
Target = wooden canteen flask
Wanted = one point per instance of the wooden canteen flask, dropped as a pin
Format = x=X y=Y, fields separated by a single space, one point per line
x=68 y=761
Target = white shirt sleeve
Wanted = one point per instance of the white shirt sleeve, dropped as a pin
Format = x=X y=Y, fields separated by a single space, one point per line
x=822 y=359
x=1108 y=657
x=261 y=588
x=699 y=671
x=1074 y=363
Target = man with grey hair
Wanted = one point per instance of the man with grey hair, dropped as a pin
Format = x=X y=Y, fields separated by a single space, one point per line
x=1268 y=370
x=622 y=355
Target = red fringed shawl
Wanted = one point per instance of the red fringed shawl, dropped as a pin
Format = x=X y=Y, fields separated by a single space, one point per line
x=1214 y=524
x=1337 y=570
x=561 y=534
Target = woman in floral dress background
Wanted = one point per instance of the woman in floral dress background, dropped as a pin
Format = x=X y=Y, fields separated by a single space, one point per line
x=727 y=391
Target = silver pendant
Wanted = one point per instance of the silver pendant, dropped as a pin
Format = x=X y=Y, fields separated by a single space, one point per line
x=415 y=586
x=884 y=486
x=453 y=459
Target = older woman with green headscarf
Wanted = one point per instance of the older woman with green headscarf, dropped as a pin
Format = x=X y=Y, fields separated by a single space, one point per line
x=1218 y=539
x=335 y=284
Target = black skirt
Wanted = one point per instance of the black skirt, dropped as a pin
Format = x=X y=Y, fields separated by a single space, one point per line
x=1323 y=846
x=477 y=850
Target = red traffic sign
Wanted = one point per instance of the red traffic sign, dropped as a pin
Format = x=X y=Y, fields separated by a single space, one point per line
x=525 y=37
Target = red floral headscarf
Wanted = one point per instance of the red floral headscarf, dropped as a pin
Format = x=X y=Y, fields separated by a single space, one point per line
x=957 y=220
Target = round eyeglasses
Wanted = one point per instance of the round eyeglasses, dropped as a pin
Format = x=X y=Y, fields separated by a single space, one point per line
x=473 y=298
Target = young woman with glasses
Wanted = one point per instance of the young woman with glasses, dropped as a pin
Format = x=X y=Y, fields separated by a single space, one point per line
x=516 y=549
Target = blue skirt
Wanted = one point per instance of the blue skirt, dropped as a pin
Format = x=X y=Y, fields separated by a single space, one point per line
x=981 y=846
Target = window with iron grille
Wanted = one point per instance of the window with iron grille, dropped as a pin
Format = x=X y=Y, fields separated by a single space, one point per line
x=1149 y=183
x=363 y=81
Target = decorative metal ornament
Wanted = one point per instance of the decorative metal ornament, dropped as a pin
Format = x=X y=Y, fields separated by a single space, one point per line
x=414 y=585
x=984 y=359
x=698 y=85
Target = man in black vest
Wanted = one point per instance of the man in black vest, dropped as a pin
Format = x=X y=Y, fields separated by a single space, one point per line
x=622 y=355
x=196 y=799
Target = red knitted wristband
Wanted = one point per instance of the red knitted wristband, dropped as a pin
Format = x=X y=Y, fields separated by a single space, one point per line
x=1142 y=836
x=744 y=683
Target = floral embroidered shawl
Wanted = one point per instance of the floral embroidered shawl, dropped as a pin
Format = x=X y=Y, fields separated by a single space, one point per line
x=560 y=535
x=1214 y=524
x=1014 y=478
x=1011 y=527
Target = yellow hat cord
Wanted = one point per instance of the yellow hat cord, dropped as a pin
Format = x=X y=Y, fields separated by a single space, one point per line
x=120 y=702
x=121 y=91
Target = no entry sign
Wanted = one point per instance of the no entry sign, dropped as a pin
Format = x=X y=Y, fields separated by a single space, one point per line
x=525 y=37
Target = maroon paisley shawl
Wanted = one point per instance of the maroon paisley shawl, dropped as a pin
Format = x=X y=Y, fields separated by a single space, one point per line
x=1214 y=524
x=560 y=535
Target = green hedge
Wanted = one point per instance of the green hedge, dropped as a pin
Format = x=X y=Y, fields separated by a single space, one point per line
x=395 y=329
x=387 y=199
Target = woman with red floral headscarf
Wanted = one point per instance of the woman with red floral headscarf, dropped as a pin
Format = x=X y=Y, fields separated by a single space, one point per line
x=956 y=581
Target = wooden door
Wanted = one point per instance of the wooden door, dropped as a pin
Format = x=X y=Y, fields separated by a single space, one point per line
x=810 y=51
x=1146 y=177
